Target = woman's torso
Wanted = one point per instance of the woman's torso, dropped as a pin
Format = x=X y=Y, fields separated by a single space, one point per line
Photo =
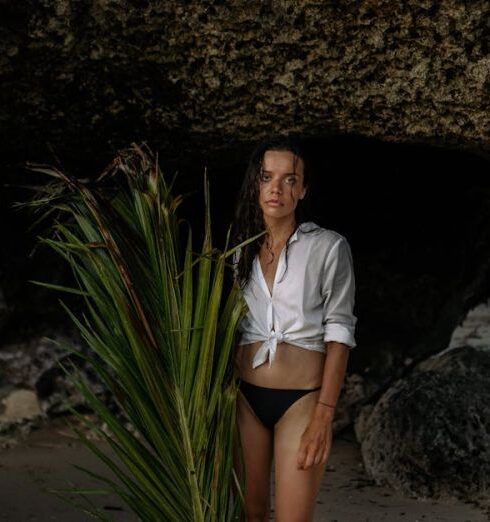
x=293 y=367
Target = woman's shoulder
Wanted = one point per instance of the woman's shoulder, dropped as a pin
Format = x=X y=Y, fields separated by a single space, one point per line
x=326 y=236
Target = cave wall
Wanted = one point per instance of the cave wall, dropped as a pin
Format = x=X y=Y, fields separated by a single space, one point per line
x=196 y=76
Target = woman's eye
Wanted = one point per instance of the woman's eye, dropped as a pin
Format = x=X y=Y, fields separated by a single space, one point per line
x=291 y=180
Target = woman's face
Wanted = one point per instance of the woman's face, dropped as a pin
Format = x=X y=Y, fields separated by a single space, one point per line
x=281 y=184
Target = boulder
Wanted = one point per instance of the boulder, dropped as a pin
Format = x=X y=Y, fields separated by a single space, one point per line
x=20 y=404
x=474 y=330
x=429 y=434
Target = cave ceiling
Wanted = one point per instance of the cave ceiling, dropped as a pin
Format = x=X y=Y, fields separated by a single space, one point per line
x=85 y=78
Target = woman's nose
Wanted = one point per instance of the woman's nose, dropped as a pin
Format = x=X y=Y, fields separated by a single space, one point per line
x=275 y=186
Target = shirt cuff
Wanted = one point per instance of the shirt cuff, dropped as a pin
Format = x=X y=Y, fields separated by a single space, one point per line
x=339 y=333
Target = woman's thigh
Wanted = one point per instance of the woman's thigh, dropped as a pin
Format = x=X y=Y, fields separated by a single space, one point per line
x=295 y=489
x=257 y=449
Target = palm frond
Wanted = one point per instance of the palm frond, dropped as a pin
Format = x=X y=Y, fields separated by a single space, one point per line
x=161 y=325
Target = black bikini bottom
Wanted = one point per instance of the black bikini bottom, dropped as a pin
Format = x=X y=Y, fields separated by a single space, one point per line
x=270 y=404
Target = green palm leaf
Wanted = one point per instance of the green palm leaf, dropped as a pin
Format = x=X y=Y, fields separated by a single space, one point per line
x=162 y=332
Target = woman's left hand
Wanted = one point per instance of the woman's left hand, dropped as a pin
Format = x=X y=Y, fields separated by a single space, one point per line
x=315 y=444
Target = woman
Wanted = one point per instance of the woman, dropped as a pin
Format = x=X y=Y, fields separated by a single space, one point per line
x=294 y=343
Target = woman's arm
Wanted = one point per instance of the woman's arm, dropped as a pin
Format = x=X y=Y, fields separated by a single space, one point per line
x=316 y=441
x=338 y=292
x=333 y=379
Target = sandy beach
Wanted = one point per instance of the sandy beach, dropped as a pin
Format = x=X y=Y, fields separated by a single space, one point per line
x=46 y=458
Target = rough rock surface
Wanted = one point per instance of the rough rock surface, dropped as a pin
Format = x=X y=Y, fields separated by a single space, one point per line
x=20 y=404
x=91 y=75
x=35 y=365
x=429 y=434
x=474 y=330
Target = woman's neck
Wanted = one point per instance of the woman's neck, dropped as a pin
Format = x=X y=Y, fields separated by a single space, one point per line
x=279 y=230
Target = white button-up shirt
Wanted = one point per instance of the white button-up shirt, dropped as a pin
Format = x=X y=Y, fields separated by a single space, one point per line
x=311 y=302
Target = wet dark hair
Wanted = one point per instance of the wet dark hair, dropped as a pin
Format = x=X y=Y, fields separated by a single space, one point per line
x=249 y=219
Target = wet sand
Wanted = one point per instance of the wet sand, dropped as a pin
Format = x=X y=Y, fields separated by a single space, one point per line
x=45 y=460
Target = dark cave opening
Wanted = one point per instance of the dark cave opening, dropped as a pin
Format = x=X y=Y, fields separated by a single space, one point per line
x=417 y=219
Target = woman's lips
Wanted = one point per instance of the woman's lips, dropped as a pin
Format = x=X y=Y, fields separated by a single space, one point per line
x=273 y=203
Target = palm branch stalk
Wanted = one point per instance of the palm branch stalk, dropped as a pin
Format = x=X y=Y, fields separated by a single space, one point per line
x=161 y=327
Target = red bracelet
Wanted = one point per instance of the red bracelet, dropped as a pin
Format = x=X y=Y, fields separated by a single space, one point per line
x=329 y=405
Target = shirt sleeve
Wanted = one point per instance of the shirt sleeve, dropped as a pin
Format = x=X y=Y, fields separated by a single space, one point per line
x=338 y=293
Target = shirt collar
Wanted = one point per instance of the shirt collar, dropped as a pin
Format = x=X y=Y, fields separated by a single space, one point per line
x=302 y=227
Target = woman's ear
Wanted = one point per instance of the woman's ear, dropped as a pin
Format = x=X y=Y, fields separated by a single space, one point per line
x=303 y=194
